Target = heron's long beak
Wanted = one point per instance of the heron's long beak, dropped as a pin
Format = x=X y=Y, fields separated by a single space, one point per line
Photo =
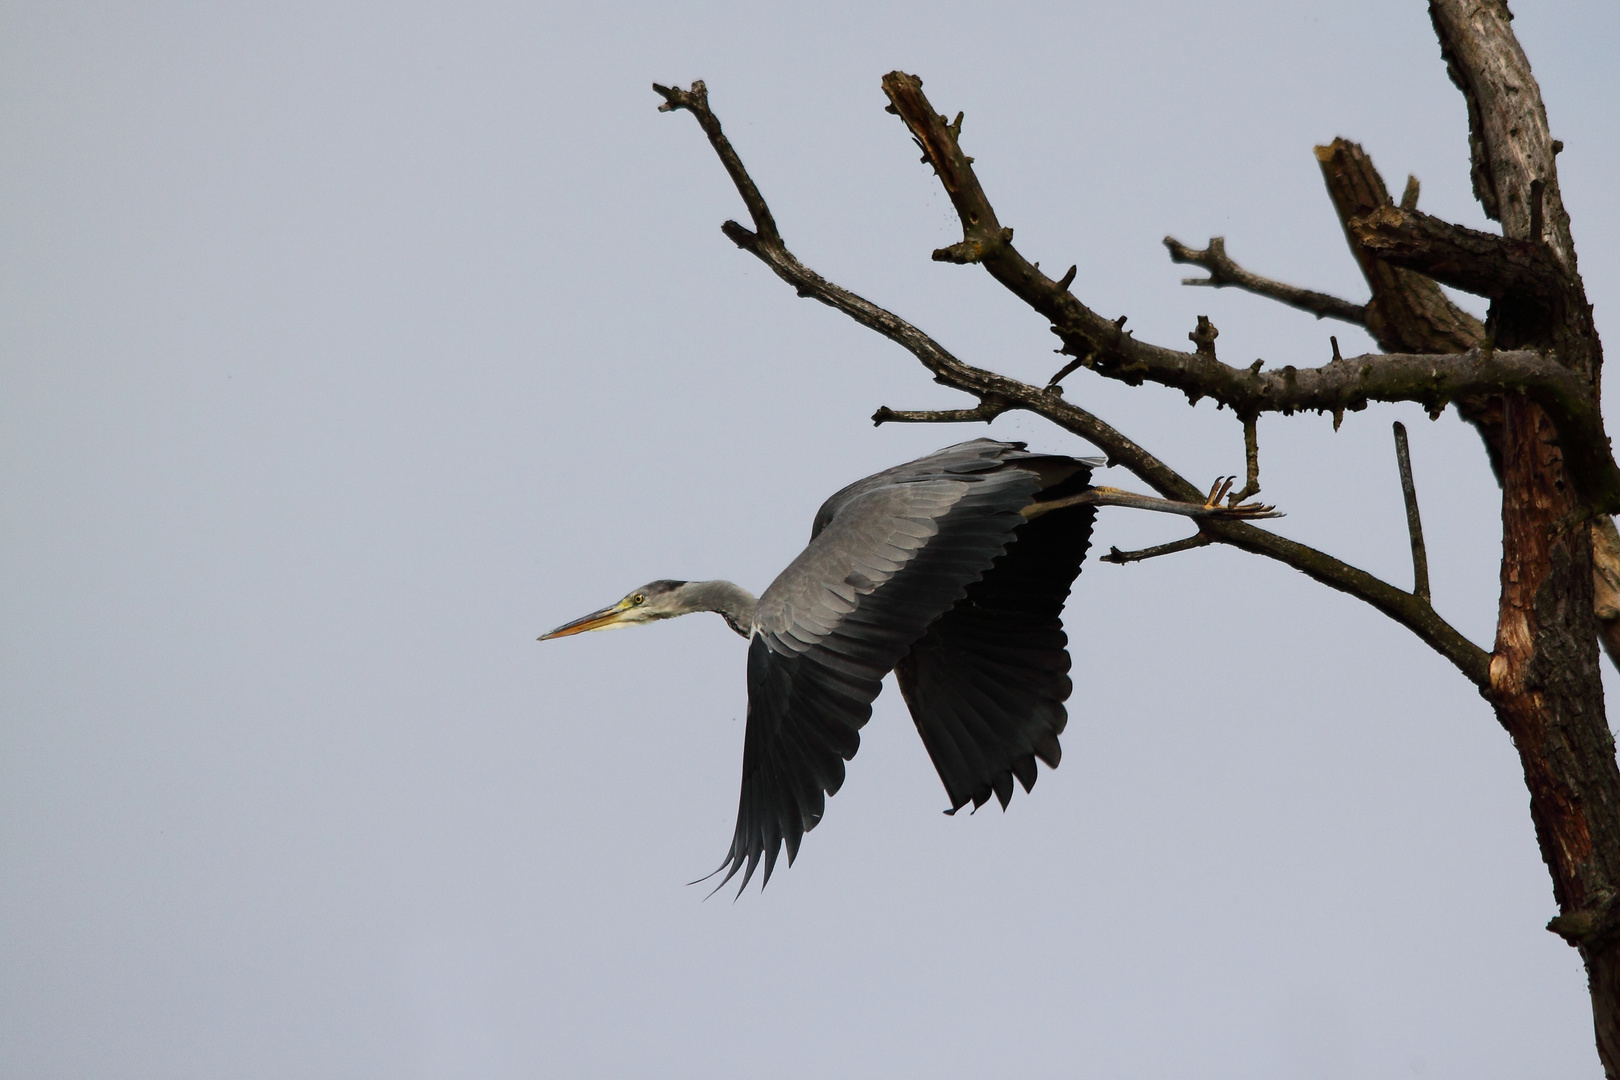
x=596 y=620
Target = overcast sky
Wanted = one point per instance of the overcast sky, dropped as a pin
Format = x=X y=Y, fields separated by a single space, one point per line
x=344 y=348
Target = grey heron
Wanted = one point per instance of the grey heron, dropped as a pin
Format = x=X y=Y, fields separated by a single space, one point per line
x=952 y=572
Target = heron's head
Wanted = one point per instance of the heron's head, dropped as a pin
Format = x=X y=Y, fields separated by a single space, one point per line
x=654 y=600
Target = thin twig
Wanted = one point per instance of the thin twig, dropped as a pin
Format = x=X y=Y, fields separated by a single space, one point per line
x=1120 y=558
x=1414 y=524
x=1251 y=458
x=1223 y=273
x=983 y=413
x=1064 y=372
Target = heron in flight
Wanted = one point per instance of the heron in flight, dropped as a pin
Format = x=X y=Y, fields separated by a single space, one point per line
x=951 y=571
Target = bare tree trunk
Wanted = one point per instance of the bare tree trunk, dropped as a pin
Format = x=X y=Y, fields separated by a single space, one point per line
x=1545 y=682
x=1547 y=692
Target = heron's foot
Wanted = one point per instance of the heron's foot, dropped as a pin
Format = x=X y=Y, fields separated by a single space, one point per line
x=1237 y=512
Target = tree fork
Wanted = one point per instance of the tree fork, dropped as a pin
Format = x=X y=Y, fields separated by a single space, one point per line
x=1409 y=313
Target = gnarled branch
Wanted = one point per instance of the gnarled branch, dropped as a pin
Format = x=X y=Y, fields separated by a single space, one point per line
x=1105 y=347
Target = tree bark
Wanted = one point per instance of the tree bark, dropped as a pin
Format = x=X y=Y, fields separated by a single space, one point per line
x=1545 y=684
x=1606 y=582
x=1547 y=695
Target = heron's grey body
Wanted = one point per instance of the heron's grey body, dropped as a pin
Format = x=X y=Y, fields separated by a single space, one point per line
x=943 y=570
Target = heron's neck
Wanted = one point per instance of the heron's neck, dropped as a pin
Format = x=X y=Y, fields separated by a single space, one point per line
x=733 y=602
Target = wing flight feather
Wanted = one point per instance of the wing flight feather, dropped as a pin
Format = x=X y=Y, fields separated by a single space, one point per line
x=888 y=557
x=986 y=685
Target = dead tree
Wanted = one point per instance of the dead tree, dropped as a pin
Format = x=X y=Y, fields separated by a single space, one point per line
x=1527 y=379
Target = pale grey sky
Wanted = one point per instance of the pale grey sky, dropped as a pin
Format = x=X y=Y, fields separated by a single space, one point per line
x=346 y=347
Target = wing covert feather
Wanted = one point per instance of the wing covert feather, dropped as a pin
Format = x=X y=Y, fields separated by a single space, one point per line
x=986 y=685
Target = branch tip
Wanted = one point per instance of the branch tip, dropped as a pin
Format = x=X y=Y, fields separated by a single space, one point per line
x=1409 y=197
x=1203 y=337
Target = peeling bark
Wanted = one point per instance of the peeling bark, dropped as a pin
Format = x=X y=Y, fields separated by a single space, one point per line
x=1606 y=585
x=1547 y=695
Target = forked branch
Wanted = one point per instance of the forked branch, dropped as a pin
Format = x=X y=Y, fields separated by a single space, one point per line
x=1224 y=273
x=1101 y=344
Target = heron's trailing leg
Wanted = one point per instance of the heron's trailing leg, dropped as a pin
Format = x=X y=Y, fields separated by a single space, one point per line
x=1211 y=508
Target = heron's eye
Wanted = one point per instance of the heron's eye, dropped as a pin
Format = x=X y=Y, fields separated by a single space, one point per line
x=638 y=599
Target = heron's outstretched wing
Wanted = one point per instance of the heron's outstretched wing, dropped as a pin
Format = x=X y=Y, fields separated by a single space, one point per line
x=889 y=556
x=987 y=683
